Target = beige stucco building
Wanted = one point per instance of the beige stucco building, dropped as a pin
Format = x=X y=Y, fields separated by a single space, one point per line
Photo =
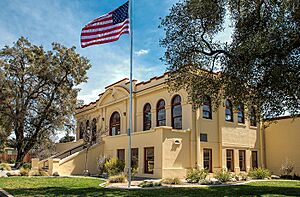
x=282 y=142
x=168 y=137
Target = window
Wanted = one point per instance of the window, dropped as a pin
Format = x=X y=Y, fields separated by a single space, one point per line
x=147 y=117
x=252 y=117
x=176 y=112
x=121 y=154
x=114 y=124
x=94 y=130
x=87 y=125
x=207 y=159
x=241 y=114
x=81 y=130
x=134 y=157
x=161 y=113
x=228 y=111
x=254 y=159
x=149 y=160
x=242 y=160
x=206 y=109
x=203 y=137
x=229 y=160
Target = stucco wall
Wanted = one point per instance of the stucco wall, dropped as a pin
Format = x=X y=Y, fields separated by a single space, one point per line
x=282 y=141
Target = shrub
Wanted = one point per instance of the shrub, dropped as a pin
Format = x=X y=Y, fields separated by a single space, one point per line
x=223 y=175
x=120 y=178
x=38 y=173
x=26 y=165
x=5 y=166
x=259 y=173
x=195 y=175
x=114 y=166
x=24 y=171
x=150 y=184
x=101 y=164
x=287 y=168
x=172 y=181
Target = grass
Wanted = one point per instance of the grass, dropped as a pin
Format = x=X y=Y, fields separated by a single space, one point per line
x=43 y=186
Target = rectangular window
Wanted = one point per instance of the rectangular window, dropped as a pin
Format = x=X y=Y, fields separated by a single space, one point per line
x=254 y=159
x=121 y=154
x=134 y=157
x=230 y=160
x=207 y=159
x=149 y=160
x=203 y=137
x=242 y=160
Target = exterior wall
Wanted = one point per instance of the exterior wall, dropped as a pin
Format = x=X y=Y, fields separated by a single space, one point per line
x=60 y=147
x=170 y=159
x=282 y=141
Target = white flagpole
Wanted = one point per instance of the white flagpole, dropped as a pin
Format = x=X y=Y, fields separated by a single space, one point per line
x=130 y=108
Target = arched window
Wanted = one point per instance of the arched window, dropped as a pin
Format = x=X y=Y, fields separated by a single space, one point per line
x=87 y=125
x=228 y=111
x=176 y=112
x=81 y=130
x=206 y=109
x=114 y=124
x=147 y=117
x=253 y=117
x=94 y=130
x=161 y=113
x=241 y=114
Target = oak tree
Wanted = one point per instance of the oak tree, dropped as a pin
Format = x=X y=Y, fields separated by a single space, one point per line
x=259 y=67
x=37 y=91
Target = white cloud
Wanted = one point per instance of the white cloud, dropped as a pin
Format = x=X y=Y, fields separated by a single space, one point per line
x=142 y=52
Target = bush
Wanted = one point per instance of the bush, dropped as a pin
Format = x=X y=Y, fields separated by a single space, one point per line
x=121 y=178
x=150 y=184
x=223 y=175
x=259 y=173
x=172 y=181
x=26 y=165
x=287 y=168
x=195 y=175
x=5 y=166
x=101 y=164
x=114 y=166
x=38 y=173
x=24 y=171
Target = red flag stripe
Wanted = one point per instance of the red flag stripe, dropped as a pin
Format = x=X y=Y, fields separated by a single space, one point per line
x=104 y=27
x=105 y=41
x=111 y=36
x=104 y=34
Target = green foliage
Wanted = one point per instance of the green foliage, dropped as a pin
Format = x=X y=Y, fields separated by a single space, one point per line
x=120 y=178
x=195 y=175
x=259 y=173
x=24 y=171
x=150 y=184
x=257 y=67
x=67 y=138
x=26 y=165
x=5 y=166
x=172 y=181
x=223 y=175
x=38 y=91
x=114 y=166
x=101 y=163
x=38 y=173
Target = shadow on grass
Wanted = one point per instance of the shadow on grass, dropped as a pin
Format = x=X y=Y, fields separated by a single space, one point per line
x=242 y=190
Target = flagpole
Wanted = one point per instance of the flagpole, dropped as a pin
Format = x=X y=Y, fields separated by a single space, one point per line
x=130 y=108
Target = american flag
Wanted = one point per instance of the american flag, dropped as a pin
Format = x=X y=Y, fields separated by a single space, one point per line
x=106 y=28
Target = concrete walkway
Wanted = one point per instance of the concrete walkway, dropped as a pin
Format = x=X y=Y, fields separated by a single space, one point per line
x=4 y=193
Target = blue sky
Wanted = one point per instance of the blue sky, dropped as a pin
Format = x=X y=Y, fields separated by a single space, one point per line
x=47 y=21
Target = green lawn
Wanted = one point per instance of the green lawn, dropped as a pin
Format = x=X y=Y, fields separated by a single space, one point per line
x=40 y=186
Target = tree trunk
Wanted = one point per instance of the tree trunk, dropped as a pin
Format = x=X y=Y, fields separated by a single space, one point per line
x=20 y=156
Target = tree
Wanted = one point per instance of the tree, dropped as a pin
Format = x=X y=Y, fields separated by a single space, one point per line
x=261 y=65
x=37 y=91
